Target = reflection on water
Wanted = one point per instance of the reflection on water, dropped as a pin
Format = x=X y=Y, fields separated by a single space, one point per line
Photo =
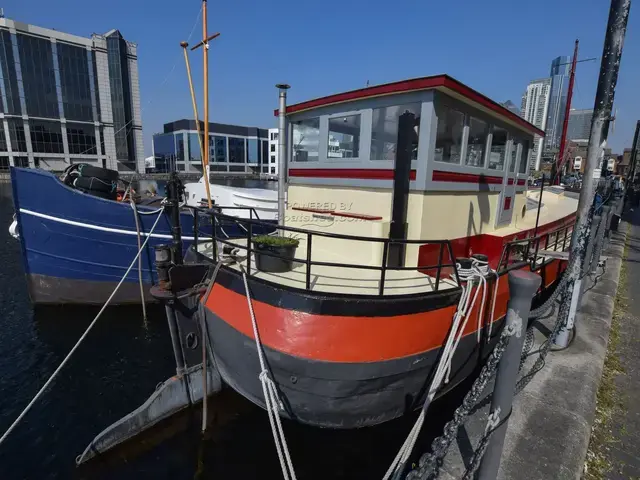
x=114 y=371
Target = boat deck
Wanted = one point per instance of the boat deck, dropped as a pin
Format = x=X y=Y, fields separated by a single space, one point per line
x=349 y=278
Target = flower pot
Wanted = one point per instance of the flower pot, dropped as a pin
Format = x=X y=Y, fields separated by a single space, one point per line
x=278 y=260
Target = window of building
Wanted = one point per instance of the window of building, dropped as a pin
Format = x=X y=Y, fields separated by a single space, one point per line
x=120 y=95
x=181 y=167
x=38 y=78
x=273 y=159
x=164 y=149
x=21 y=162
x=7 y=65
x=524 y=157
x=81 y=138
x=513 y=155
x=273 y=136
x=477 y=142
x=238 y=168
x=273 y=148
x=498 y=149
x=218 y=148
x=3 y=140
x=236 y=150
x=265 y=151
x=4 y=163
x=252 y=151
x=46 y=136
x=344 y=137
x=195 y=154
x=306 y=139
x=75 y=82
x=384 y=130
x=273 y=171
x=180 y=147
x=16 y=135
x=449 y=135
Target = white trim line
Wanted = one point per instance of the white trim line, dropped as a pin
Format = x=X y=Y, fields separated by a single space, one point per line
x=96 y=227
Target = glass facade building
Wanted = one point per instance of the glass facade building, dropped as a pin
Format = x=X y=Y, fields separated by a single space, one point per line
x=560 y=67
x=232 y=148
x=68 y=99
x=579 y=127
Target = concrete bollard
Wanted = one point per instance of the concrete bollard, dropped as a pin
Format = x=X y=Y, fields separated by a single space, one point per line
x=522 y=287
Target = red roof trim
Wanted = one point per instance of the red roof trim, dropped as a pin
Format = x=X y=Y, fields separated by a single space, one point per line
x=522 y=182
x=424 y=83
x=359 y=173
x=510 y=181
x=440 y=176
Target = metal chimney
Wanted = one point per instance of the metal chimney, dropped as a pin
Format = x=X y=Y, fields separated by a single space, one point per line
x=282 y=152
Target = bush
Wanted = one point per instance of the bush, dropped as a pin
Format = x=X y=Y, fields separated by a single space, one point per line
x=276 y=240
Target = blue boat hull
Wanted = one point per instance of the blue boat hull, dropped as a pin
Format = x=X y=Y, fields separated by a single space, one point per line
x=77 y=247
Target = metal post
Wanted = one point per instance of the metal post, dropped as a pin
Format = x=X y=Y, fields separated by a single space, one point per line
x=612 y=52
x=633 y=160
x=282 y=152
x=173 y=205
x=523 y=286
x=175 y=338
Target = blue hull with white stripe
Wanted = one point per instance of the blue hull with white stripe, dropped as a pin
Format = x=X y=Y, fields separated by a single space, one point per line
x=77 y=247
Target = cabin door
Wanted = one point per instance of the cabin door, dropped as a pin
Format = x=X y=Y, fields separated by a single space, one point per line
x=401 y=183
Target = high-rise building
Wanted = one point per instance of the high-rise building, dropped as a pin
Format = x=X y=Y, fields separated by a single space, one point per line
x=509 y=105
x=68 y=99
x=579 y=126
x=560 y=67
x=534 y=109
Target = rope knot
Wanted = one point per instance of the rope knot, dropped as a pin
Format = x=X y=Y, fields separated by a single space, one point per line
x=492 y=421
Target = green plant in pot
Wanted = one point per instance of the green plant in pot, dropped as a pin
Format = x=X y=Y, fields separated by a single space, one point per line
x=274 y=253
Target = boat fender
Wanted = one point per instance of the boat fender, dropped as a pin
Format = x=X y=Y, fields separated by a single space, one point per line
x=94 y=184
x=98 y=172
x=480 y=257
x=464 y=263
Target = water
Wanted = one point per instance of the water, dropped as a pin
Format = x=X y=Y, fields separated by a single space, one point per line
x=114 y=371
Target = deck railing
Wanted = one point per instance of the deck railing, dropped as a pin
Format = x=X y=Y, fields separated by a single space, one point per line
x=527 y=249
x=249 y=226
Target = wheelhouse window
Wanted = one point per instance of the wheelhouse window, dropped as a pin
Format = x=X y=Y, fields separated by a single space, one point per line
x=498 y=149
x=524 y=157
x=384 y=130
x=306 y=139
x=449 y=135
x=344 y=137
x=477 y=142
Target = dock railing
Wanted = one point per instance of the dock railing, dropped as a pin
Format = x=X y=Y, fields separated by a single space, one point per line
x=253 y=224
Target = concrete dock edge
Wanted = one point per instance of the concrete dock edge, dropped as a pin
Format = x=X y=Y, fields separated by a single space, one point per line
x=552 y=417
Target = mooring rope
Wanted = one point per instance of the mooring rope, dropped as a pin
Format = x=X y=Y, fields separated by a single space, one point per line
x=86 y=332
x=137 y=218
x=271 y=398
x=474 y=276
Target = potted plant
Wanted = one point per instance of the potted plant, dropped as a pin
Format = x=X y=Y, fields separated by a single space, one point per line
x=274 y=253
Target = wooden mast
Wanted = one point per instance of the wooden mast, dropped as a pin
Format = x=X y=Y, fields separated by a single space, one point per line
x=184 y=46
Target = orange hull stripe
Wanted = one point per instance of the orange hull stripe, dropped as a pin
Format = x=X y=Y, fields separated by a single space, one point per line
x=346 y=338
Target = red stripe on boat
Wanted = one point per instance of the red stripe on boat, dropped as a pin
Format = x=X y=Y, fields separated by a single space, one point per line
x=359 y=173
x=441 y=176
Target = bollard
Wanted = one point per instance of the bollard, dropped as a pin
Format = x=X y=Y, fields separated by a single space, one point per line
x=599 y=239
x=522 y=287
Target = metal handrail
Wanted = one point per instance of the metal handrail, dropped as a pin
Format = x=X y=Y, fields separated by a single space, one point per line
x=250 y=223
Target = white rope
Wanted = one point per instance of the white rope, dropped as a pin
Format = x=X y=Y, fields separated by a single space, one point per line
x=144 y=306
x=474 y=276
x=86 y=332
x=271 y=398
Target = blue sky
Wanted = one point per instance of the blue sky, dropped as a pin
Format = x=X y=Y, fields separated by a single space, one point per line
x=494 y=46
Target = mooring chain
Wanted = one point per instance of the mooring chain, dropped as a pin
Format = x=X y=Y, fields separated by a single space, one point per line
x=430 y=463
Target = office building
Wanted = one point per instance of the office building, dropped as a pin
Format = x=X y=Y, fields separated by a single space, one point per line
x=232 y=148
x=509 y=105
x=534 y=109
x=579 y=127
x=272 y=168
x=68 y=99
x=560 y=67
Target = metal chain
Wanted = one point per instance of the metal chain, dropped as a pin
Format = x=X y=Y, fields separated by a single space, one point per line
x=430 y=463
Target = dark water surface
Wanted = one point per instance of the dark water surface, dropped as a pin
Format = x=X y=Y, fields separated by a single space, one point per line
x=116 y=369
